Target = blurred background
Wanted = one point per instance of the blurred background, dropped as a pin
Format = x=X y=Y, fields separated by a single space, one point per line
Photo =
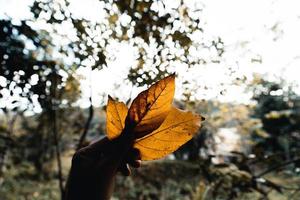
x=236 y=63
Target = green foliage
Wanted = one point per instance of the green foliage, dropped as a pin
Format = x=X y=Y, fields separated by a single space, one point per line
x=18 y=63
x=177 y=183
x=20 y=182
x=278 y=108
x=30 y=72
x=144 y=25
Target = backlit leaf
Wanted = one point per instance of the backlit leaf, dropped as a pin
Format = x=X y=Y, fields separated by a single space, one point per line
x=158 y=129
x=150 y=108
x=115 y=117
x=178 y=128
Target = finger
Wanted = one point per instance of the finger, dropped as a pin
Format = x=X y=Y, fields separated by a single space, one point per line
x=125 y=170
x=134 y=158
x=135 y=163
x=134 y=154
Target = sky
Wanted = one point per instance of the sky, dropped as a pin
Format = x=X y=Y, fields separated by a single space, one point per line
x=268 y=30
x=238 y=21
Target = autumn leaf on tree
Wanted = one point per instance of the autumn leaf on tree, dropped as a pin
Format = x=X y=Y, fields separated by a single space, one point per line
x=158 y=128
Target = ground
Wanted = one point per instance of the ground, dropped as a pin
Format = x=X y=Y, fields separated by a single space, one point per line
x=158 y=180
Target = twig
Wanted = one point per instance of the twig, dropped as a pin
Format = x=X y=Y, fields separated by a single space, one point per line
x=55 y=133
x=255 y=161
x=86 y=126
x=58 y=156
x=277 y=167
x=88 y=121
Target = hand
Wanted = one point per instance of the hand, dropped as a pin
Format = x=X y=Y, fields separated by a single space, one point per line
x=95 y=166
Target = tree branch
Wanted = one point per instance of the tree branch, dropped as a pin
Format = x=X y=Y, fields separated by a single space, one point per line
x=86 y=126
x=55 y=133
x=89 y=119
x=277 y=167
x=57 y=152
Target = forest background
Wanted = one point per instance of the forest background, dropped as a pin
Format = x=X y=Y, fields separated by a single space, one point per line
x=236 y=63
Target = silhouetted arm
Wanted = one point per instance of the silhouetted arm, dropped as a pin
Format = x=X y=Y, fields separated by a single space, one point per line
x=94 y=168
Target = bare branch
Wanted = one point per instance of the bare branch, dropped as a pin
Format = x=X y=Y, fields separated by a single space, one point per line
x=86 y=126
x=277 y=167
